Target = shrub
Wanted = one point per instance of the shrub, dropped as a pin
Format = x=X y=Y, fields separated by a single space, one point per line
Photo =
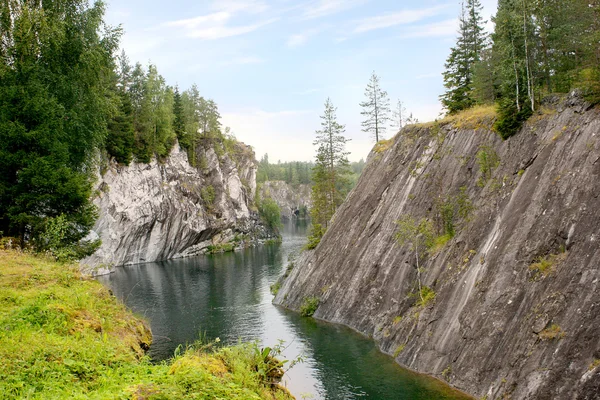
x=552 y=332
x=314 y=238
x=427 y=295
x=208 y=196
x=270 y=213
x=510 y=119
x=309 y=306
x=275 y=288
x=543 y=266
x=488 y=161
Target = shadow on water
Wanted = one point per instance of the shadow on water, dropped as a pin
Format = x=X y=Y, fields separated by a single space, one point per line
x=227 y=296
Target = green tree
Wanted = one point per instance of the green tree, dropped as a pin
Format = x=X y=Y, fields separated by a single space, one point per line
x=330 y=170
x=458 y=76
x=56 y=97
x=376 y=109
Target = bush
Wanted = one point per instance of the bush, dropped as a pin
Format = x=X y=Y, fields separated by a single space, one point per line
x=208 y=195
x=60 y=238
x=488 y=161
x=270 y=213
x=314 y=238
x=309 y=306
x=510 y=119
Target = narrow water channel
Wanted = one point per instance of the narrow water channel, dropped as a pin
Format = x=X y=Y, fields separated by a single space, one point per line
x=228 y=296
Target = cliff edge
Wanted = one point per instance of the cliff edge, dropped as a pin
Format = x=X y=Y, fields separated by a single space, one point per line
x=170 y=209
x=505 y=299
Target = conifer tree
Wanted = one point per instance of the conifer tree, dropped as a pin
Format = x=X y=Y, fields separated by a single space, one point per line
x=56 y=97
x=458 y=76
x=399 y=116
x=329 y=172
x=376 y=109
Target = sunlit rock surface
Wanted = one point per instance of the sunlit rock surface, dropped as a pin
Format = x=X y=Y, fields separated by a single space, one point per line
x=169 y=209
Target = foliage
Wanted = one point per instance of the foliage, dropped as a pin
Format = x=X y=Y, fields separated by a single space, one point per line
x=426 y=296
x=314 y=238
x=376 y=109
x=460 y=66
x=293 y=173
x=537 y=47
x=543 y=266
x=331 y=168
x=270 y=213
x=450 y=211
x=220 y=248
x=419 y=235
x=208 y=196
x=309 y=306
x=56 y=98
x=552 y=332
x=64 y=336
x=275 y=288
x=488 y=161
x=62 y=239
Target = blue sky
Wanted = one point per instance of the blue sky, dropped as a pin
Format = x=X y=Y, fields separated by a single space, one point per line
x=271 y=64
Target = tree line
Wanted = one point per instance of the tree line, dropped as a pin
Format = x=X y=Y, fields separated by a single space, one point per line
x=538 y=47
x=65 y=100
x=298 y=172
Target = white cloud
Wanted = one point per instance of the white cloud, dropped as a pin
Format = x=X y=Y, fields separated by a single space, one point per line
x=394 y=19
x=322 y=8
x=438 y=29
x=217 y=24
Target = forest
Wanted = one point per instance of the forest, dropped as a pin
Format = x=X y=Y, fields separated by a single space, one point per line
x=538 y=47
x=68 y=101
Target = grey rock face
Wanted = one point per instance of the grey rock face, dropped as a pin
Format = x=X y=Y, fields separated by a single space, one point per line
x=169 y=209
x=289 y=199
x=500 y=324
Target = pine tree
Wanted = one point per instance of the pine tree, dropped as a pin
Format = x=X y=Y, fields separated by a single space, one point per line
x=329 y=172
x=399 y=116
x=458 y=76
x=376 y=109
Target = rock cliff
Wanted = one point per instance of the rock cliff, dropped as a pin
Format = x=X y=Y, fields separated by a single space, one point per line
x=169 y=209
x=509 y=306
x=292 y=200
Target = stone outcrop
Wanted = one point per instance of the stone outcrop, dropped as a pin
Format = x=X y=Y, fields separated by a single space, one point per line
x=511 y=305
x=169 y=209
x=292 y=200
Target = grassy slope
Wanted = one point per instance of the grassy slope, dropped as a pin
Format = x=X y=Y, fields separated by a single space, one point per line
x=62 y=336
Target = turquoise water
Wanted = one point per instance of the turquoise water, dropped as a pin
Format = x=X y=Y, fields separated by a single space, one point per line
x=227 y=296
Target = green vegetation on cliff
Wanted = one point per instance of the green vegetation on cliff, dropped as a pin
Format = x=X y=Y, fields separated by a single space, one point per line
x=64 y=336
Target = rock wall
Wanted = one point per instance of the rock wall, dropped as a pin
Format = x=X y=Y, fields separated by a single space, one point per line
x=169 y=209
x=516 y=312
x=290 y=199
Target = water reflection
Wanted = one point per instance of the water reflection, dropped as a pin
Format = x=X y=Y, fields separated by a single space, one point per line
x=227 y=296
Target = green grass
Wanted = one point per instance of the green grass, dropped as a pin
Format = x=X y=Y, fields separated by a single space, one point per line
x=427 y=296
x=543 y=266
x=64 y=336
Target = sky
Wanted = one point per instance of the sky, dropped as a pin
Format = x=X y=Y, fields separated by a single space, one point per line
x=270 y=65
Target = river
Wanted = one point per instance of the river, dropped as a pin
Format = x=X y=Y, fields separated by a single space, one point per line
x=227 y=296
